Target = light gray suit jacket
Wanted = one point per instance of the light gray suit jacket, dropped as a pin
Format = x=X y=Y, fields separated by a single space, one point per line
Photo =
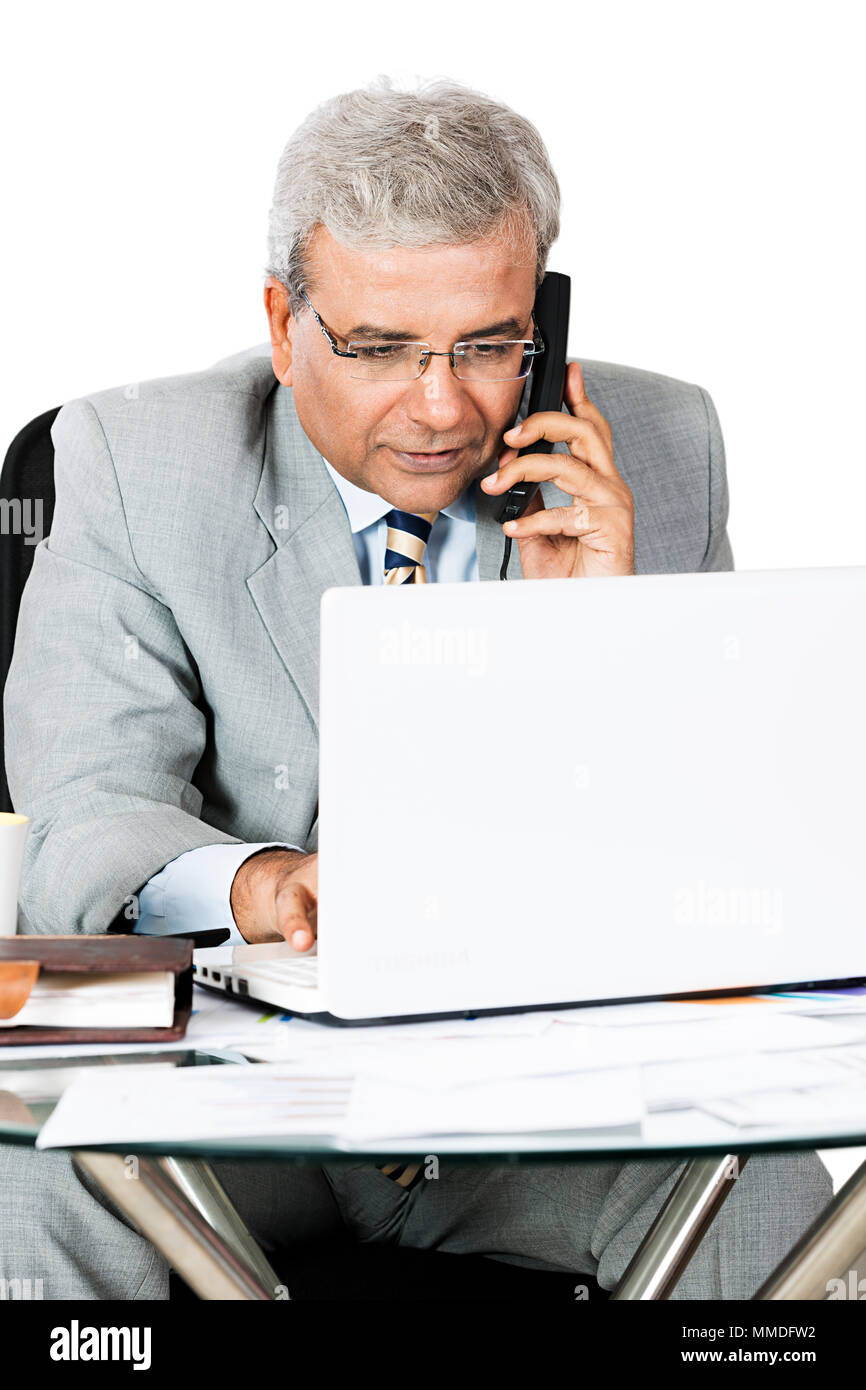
x=163 y=693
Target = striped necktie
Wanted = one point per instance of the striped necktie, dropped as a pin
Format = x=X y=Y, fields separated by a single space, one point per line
x=408 y=534
x=406 y=1174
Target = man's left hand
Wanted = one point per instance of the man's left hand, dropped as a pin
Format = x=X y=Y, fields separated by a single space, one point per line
x=594 y=536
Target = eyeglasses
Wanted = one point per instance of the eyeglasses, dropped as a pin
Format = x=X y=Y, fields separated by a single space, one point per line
x=507 y=360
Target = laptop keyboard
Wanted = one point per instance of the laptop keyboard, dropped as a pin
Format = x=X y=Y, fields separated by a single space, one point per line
x=288 y=972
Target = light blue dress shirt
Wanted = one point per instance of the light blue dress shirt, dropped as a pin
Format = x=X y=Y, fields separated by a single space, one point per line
x=193 y=892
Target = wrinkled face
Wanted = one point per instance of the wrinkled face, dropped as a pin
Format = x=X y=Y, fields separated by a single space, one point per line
x=436 y=295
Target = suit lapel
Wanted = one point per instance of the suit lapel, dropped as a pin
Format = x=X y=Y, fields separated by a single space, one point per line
x=304 y=515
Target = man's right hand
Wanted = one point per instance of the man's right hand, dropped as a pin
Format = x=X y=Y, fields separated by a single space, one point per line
x=275 y=895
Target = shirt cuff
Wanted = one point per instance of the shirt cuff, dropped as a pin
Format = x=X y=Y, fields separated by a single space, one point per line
x=193 y=892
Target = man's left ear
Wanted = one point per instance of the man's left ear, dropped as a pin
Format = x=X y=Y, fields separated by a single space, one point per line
x=281 y=325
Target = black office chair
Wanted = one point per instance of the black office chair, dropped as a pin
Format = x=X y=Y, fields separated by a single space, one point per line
x=27 y=472
x=341 y=1270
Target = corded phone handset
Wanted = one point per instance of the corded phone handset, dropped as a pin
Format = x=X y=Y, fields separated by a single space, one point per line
x=547 y=390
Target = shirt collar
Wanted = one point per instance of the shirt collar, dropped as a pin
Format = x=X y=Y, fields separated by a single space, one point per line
x=363 y=508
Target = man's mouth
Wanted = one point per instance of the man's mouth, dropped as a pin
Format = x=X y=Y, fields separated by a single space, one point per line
x=439 y=462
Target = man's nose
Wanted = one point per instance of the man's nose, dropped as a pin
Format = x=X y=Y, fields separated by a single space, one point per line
x=437 y=398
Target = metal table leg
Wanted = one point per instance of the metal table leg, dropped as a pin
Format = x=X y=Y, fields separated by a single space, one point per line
x=201 y=1186
x=221 y=1263
x=677 y=1231
x=834 y=1247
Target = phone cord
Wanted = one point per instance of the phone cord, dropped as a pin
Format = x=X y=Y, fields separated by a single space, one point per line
x=503 y=572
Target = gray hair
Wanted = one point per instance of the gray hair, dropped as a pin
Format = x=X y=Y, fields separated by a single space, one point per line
x=379 y=167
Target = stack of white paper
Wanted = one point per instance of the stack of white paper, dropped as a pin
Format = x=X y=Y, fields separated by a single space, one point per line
x=675 y=1070
x=826 y=1108
x=123 y=1105
x=381 y=1109
x=219 y=1102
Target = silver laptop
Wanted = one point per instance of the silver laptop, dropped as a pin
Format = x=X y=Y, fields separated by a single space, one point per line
x=565 y=792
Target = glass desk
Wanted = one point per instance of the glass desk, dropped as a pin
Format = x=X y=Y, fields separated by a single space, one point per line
x=179 y=1205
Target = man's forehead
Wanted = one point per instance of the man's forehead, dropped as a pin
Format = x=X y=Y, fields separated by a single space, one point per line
x=471 y=278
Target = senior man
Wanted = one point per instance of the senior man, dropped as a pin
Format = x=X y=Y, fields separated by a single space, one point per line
x=165 y=668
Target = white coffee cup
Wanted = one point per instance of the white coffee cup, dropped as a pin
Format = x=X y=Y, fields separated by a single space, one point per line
x=13 y=833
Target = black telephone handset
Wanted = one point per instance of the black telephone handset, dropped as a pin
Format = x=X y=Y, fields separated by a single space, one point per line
x=547 y=389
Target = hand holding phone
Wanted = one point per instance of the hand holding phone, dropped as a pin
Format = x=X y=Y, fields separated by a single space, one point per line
x=594 y=536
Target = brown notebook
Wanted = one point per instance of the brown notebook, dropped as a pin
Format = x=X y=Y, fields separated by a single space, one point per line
x=22 y=957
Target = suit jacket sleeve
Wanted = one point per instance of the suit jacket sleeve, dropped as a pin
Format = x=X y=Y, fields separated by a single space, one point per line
x=718 y=554
x=103 y=729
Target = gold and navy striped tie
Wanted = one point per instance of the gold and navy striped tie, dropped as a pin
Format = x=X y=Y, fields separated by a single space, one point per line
x=408 y=534
x=406 y=1174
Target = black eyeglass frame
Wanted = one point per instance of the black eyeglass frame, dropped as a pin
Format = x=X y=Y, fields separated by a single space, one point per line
x=535 y=350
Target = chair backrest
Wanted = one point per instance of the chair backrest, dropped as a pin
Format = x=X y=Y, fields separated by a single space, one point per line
x=27 y=479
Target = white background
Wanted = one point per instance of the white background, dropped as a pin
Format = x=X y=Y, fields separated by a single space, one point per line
x=710 y=156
